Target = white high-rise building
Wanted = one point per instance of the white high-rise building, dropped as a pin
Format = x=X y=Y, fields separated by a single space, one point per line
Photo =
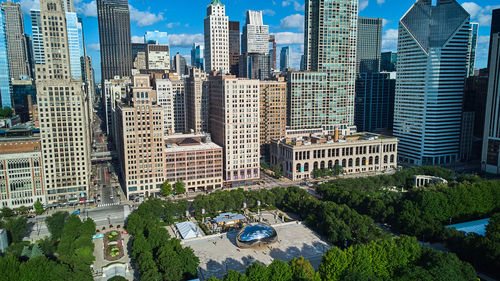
x=170 y=95
x=236 y=130
x=216 y=38
x=432 y=66
x=255 y=37
x=36 y=29
x=63 y=113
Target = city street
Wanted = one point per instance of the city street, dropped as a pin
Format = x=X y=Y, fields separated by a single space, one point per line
x=102 y=217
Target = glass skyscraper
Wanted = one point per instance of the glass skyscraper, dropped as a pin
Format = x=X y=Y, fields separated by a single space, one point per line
x=36 y=29
x=75 y=44
x=197 y=53
x=369 y=45
x=432 y=67
x=284 y=58
x=5 y=85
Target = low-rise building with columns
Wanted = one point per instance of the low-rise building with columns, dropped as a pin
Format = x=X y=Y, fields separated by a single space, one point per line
x=299 y=156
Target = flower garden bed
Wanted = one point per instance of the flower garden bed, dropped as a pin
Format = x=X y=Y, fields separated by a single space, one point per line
x=113 y=246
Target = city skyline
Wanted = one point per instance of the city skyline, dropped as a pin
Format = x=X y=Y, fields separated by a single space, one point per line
x=284 y=17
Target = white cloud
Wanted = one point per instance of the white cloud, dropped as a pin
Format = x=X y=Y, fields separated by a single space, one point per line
x=385 y=22
x=137 y=39
x=27 y=5
x=296 y=5
x=483 y=39
x=390 y=40
x=144 y=18
x=172 y=24
x=94 y=47
x=269 y=12
x=362 y=4
x=87 y=9
x=185 y=40
x=289 y=38
x=380 y=2
x=292 y=21
x=479 y=14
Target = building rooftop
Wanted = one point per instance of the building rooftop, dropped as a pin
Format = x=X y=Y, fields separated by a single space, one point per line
x=187 y=230
x=25 y=131
x=318 y=138
x=227 y=217
x=188 y=142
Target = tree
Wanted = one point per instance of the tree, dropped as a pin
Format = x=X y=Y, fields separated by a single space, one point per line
x=7 y=212
x=6 y=112
x=166 y=188
x=302 y=269
x=338 y=170
x=38 y=207
x=55 y=224
x=16 y=227
x=180 y=187
x=264 y=166
x=23 y=210
x=279 y=271
x=257 y=272
x=277 y=172
x=333 y=264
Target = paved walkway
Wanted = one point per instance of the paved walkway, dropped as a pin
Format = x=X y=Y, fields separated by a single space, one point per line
x=100 y=262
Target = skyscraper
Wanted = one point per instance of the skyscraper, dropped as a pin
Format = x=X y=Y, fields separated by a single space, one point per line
x=114 y=37
x=16 y=41
x=471 y=54
x=38 y=45
x=490 y=159
x=197 y=100
x=5 y=83
x=388 y=61
x=255 y=37
x=238 y=130
x=285 y=58
x=255 y=66
x=330 y=57
x=234 y=47
x=369 y=45
x=374 y=104
x=197 y=56
x=272 y=50
x=63 y=113
x=75 y=44
x=432 y=67
x=180 y=65
x=216 y=38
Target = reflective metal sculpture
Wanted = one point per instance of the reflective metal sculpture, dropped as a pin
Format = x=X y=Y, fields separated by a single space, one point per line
x=256 y=235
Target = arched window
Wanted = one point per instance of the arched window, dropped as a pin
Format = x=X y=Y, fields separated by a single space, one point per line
x=306 y=167
x=370 y=160
x=357 y=162
x=385 y=159
x=330 y=164
x=376 y=160
x=315 y=165
x=322 y=164
x=363 y=161
x=299 y=167
x=350 y=162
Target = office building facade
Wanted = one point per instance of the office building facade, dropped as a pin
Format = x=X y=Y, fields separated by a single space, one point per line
x=272 y=110
x=285 y=58
x=5 y=83
x=374 y=104
x=299 y=157
x=196 y=89
x=329 y=48
x=234 y=47
x=432 y=67
x=195 y=160
x=369 y=45
x=140 y=143
x=16 y=41
x=114 y=37
x=75 y=44
x=490 y=159
x=197 y=56
x=157 y=57
x=255 y=37
x=21 y=172
x=237 y=130
x=63 y=114
x=471 y=54
x=255 y=66
x=216 y=38
x=36 y=30
x=388 y=61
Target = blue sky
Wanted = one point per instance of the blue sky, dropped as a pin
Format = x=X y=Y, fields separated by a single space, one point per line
x=183 y=20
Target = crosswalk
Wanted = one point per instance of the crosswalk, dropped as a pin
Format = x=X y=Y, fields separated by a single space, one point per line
x=108 y=204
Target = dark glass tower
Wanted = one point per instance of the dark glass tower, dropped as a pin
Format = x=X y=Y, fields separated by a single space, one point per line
x=369 y=45
x=114 y=35
x=234 y=47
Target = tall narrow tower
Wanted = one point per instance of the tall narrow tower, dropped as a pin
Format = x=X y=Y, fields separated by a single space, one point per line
x=114 y=37
x=63 y=113
x=16 y=41
x=433 y=46
x=216 y=38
